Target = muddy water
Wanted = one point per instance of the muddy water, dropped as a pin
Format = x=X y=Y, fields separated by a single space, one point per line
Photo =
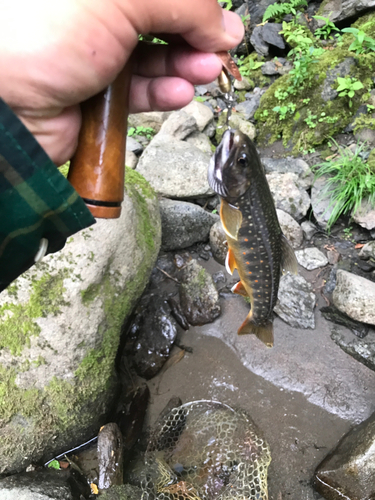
x=304 y=394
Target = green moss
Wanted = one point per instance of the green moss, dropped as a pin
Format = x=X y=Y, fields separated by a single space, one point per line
x=364 y=121
x=17 y=321
x=294 y=131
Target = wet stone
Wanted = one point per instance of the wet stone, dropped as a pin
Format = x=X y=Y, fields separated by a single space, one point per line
x=151 y=337
x=123 y=492
x=198 y=295
x=296 y=302
x=41 y=485
x=363 y=350
x=309 y=229
x=355 y=296
x=109 y=456
x=349 y=470
x=311 y=258
x=218 y=242
x=330 y=313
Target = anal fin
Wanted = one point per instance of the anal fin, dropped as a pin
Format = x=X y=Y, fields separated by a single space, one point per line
x=263 y=332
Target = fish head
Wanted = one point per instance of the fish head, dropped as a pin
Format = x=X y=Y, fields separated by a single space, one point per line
x=230 y=167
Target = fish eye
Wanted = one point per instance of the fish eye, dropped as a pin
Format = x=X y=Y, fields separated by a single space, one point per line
x=242 y=160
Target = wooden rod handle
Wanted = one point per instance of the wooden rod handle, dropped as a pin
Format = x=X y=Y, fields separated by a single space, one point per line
x=97 y=169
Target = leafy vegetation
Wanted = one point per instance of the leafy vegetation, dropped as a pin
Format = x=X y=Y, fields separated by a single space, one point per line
x=277 y=11
x=362 y=43
x=147 y=132
x=325 y=30
x=350 y=180
x=348 y=86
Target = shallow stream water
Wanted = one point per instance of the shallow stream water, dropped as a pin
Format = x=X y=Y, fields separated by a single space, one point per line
x=305 y=393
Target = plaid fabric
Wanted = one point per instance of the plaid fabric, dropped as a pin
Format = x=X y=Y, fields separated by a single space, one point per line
x=36 y=201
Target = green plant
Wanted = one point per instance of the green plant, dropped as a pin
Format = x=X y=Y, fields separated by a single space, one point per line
x=311 y=119
x=348 y=232
x=247 y=64
x=350 y=180
x=245 y=19
x=348 y=86
x=152 y=39
x=325 y=30
x=277 y=11
x=148 y=132
x=298 y=37
x=284 y=111
x=362 y=42
x=54 y=464
x=281 y=95
x=228 y=4
x=200 y=98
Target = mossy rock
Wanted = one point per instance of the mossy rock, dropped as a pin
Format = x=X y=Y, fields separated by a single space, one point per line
x=316 y=118
x=60 y=325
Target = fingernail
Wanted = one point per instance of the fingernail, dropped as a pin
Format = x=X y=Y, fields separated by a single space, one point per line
x=233 y=26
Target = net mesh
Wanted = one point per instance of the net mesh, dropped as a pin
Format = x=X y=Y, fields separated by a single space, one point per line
x=206 y=450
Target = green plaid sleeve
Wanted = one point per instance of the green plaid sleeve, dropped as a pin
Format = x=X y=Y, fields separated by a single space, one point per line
x=36 y=201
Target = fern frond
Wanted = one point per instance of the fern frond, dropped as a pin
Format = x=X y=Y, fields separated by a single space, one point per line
x=279 y=10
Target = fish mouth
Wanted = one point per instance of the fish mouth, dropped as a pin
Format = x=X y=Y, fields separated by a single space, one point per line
x=217 y=163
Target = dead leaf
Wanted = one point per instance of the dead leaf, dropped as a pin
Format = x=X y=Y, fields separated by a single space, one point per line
x=359 y=245
x=94 y=489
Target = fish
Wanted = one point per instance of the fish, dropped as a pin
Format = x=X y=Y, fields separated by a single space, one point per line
x=257 y=248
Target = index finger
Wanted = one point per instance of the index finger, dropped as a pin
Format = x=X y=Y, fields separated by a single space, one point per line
x=202 y=23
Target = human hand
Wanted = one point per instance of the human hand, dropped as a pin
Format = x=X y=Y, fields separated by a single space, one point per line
x=54 y=55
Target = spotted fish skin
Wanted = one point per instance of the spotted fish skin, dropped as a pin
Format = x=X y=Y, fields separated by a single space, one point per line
x=257 y=246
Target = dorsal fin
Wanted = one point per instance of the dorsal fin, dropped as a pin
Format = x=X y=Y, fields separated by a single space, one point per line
x=231 y=219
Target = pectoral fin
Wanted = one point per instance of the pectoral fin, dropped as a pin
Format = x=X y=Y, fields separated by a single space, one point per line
x=263 y=332
x=231 y=219
x=240 y=289
x=288 y=258
x=230 y=262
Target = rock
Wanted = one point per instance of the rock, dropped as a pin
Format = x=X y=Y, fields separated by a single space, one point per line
x=131 y=160
x=348 y=471
x=151 y=337
x=270 y=34
x=184 y=224
x=333 y=256
x=110 y=458
x=200 y=141
x=342 y=69
x=367 y=251
x=202 y=114
x=321 y=202
x=330 y=313
x=297 y=202
x=365 y=215
x=338 y=11
x=248 y=108
x=286 y=165
x=290 y=228
x=133 y=146
x=178 y=125
x=311 y=258
x=355 y=296
x=123 y=492
x=199 y=298
x=218 y=242
x=269 y=68
x=175 y=169
x=362 y=110
x=244 y=84
x=247 y=128
x=37 y=485
x=309 y=229
x=257 y=41
x=366 y=135
x=361 y=349
x=152 y=119
x=165 y=263
x=296 y=301
x=60 y=329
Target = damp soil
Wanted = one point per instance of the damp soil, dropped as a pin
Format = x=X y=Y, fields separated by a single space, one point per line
x=304 y=394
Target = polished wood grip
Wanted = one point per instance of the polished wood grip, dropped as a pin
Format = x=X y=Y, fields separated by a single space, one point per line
x=97 y=169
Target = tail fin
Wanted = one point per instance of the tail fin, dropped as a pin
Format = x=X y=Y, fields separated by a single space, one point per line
x=263 y=332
